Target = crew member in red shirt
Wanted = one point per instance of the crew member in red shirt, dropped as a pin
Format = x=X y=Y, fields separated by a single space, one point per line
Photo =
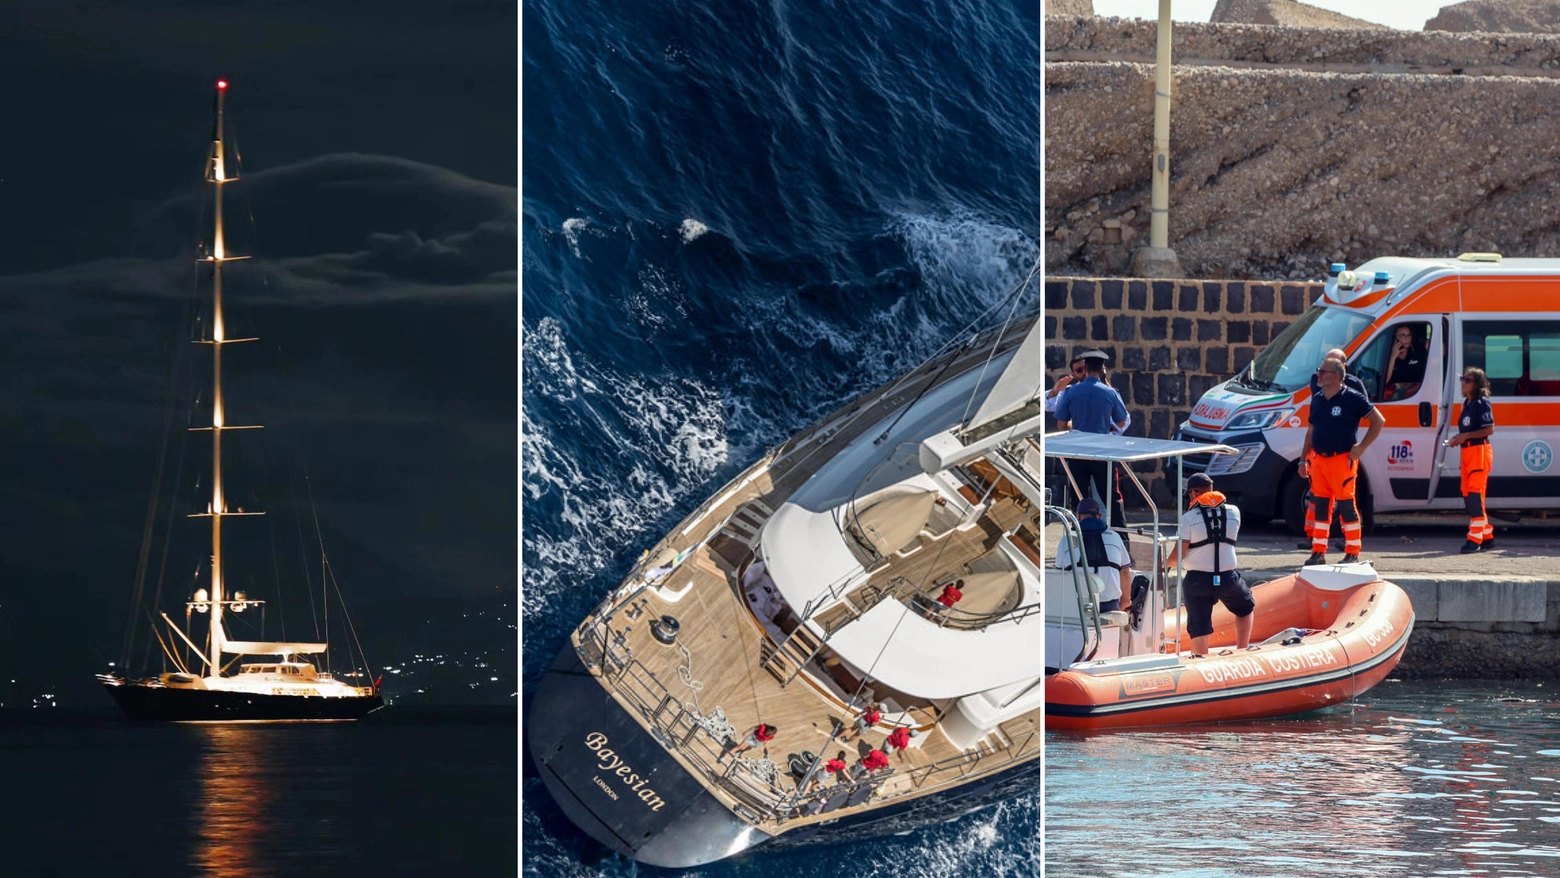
x=951 y=593
x=761 y=734
x=874 y=760
x=898 y=739
x=869 y=718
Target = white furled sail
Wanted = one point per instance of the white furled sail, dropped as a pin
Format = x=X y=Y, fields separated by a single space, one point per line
x=262 y=647
x=1019 y=383
x=1012 y=410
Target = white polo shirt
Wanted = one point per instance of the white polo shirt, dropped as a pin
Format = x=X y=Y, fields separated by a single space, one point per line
x=1193 y=530
x=1115 y=550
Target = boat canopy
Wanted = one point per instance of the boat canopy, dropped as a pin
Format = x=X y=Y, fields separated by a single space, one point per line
x=913 y=654
x=262 y=647
x=1078 y=445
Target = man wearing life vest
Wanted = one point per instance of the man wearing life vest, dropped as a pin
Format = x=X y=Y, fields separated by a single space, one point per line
x=1208 y=533
x=1475 y=425
x=1103 y=553
x=1330 y=457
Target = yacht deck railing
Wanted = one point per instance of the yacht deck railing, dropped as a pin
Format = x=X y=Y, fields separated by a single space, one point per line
x=676 y=726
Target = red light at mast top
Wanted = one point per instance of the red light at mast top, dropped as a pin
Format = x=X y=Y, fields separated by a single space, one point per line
x=222 y=85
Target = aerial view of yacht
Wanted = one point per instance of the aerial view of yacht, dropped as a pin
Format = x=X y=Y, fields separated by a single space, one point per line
x=841 y=642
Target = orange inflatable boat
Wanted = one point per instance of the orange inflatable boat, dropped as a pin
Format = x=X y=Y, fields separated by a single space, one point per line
x=1320 y=637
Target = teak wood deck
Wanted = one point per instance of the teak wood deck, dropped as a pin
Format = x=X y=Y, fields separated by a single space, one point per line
x=717 y=659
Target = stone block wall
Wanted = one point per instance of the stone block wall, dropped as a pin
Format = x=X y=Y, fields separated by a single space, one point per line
x=1168 y=341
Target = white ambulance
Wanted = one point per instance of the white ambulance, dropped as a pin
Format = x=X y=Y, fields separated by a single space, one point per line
x=1501 y=315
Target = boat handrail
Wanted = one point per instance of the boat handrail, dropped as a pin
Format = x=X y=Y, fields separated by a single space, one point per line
x=1087 y=609
x=677 y=727
x=979 y=621
x=962 y=763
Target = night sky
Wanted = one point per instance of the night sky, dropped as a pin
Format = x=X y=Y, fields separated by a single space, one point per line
x=379 y=150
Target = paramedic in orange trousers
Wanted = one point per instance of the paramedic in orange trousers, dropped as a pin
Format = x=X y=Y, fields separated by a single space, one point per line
x=1330 y=458
x=1349 y=381
x=1475 y=426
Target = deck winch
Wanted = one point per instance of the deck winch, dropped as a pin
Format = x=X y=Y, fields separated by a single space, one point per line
x=665 y=629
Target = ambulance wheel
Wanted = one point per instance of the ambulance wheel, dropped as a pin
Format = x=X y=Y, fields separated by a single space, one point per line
x=1291 y=503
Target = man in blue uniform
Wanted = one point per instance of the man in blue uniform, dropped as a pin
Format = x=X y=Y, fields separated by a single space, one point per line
x=1076 y=373
x=1092 y=406
x=1330 y=458
x=1353 y=383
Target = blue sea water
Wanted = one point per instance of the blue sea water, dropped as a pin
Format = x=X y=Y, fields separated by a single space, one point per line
x=735 y=217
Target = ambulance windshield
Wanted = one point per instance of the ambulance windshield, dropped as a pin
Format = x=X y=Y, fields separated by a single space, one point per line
x=1288 y=362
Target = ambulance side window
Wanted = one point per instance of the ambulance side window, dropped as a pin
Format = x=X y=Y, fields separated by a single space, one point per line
x=1403 y=380
x=1521 y=357
x=1368 y=364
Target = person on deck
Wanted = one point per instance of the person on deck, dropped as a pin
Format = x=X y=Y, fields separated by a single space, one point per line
x=1103 y=553
x=762 y=734
x=874 y=760
x=1093 y=406
x=951 y=594
x=836 y=767
x=898 y=739
x=1475 y=426
x=869 y=718
x=1330 y=458
x=1209 y=530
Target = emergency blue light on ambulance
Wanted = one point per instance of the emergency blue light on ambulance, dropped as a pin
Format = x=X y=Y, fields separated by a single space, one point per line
x=1335 y=269
x=1381 y=278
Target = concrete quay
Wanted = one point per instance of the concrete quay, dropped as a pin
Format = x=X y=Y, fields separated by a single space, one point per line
x=1489 y=615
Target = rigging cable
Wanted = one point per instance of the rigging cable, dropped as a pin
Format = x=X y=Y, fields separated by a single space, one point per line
x=176 y=372
x=1010 y=300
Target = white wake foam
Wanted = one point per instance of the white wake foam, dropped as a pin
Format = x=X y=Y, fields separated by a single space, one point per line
x=635 y=444
x=691 y=229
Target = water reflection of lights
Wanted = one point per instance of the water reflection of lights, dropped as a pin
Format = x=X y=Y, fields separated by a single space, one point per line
x=261 y=798
x=233 y=801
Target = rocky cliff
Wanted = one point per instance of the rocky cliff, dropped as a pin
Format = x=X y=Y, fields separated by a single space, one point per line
x=1293 y=147
x=1069 y=7
x=1286 y=13
x=1499 y=16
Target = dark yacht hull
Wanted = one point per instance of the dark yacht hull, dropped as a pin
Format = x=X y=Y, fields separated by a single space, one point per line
x=141 y=701
x=659 y=814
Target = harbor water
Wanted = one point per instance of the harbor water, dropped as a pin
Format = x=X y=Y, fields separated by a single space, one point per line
x=1446 y=778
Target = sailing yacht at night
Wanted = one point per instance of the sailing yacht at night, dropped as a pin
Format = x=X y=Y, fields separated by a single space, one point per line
x=285 y=685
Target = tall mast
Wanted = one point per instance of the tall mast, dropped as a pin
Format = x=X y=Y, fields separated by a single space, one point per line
x=218 y=253
x=216 y=174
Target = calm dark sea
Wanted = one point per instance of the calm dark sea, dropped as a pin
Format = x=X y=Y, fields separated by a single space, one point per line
x=424 y=793
x=1457 y=778
x=735 y=217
